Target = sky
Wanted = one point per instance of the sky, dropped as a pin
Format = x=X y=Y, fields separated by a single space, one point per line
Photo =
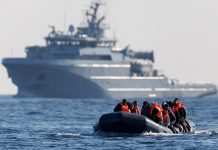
x=182 y=33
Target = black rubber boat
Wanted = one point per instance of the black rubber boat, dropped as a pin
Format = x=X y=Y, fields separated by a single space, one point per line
x=122 y=122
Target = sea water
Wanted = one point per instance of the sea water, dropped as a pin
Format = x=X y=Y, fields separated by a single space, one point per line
x=54 y=123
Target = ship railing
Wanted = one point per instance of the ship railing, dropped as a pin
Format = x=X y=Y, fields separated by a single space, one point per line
x=198 y=84
x=141 y=61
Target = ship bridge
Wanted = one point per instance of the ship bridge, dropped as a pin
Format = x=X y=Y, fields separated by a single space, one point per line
x=76 y=44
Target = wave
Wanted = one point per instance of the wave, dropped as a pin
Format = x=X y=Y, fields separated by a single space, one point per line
x=34 y=113
x=158 y=134
x=67 y=134
x=207 y=132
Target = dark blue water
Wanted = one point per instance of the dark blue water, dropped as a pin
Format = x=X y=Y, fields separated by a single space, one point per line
x=39 y=123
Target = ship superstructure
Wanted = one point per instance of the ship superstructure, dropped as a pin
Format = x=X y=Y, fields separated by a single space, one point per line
x=83 y=63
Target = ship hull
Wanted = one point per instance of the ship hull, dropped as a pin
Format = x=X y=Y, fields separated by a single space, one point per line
x=75 y=79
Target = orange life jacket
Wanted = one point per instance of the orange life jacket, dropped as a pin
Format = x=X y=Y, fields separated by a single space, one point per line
x=124 y=107
x=156 y=106
x=177 y=107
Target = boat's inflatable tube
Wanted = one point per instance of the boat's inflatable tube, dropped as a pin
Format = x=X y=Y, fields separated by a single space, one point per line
x=123 y=122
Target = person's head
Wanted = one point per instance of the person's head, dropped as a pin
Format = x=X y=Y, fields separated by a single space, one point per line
x=134 y=102
x=176 y=100
x=130 y=105
x=170 y=103
x=145 y=103
x=165 y=105
x=124 y=101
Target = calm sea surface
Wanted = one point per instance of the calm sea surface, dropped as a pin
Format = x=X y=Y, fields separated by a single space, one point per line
x=42 y=123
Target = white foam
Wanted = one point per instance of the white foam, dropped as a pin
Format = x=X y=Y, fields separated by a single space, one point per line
x=158 y=134
x=207 y=132
x=68 y=134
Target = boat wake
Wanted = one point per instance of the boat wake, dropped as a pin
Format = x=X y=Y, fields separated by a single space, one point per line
x=65 y=135
x=113 y=134
x=207 y=132
x=197 y=132
x=158 y=134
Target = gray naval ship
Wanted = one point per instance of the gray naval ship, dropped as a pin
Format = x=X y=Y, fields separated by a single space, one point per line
x=83 y=63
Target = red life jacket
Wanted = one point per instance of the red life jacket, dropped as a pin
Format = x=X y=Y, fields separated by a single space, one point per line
x=124 y=107
x=156 y=106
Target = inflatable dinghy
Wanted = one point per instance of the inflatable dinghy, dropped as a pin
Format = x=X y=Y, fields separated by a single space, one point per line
x=122 y=122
